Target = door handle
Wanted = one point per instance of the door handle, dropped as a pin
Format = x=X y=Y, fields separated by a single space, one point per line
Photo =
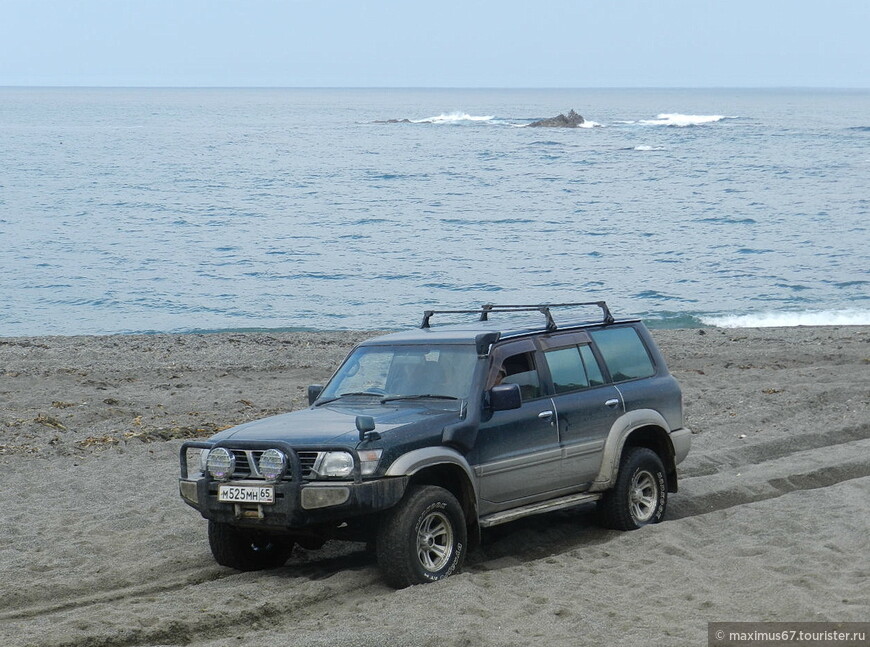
x=612 y=402
x=545 y=415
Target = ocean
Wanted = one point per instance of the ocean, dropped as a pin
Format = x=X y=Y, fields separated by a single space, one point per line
x=190 y=210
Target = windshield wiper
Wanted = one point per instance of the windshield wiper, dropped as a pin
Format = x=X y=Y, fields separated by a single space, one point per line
x=419 y=397
x=341 y=395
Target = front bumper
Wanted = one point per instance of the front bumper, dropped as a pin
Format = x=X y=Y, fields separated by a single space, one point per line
x=297 y=504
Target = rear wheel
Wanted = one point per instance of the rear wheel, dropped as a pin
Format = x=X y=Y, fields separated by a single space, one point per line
x=640 y=495
x=423 y=538
x=247 y=550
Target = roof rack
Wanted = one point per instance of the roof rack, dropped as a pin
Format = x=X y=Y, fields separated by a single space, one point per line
x=544 y=308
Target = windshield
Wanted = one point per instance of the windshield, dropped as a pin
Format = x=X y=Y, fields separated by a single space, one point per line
x=397 y=371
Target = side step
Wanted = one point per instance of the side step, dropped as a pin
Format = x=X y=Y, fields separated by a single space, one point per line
x=537 y=508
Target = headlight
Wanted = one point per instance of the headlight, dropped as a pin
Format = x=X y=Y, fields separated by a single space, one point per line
x=273 y=464
x=336 y=464
x=368 y=460
x=221 y=463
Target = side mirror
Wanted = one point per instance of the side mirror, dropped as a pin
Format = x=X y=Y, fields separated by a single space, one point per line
x=504 y=397
x=365 y=425
x=314 y=392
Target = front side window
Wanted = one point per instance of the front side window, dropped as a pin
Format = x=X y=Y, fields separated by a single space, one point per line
x=624 y=353
x=396 y=371
x=520 y=369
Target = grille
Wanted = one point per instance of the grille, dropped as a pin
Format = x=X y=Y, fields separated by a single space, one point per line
x=247 y=461
x=308 y=459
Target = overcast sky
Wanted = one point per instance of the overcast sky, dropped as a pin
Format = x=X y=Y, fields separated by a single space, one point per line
x=436 y=43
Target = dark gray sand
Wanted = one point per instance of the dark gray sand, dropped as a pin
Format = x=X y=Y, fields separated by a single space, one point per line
x=772 y=521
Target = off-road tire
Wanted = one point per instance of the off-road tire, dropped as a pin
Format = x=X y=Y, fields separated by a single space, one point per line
x=640 y=495
x=423 y=538
x=246 y=550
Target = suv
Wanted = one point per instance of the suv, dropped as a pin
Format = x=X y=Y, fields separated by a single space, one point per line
x=423 y=438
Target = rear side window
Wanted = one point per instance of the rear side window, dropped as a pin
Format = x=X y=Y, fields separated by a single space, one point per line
x=624 y=353
x=566 y=369
x=573 y=368
x=591 y=364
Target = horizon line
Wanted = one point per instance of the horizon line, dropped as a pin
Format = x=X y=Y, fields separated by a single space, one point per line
x=430 y=87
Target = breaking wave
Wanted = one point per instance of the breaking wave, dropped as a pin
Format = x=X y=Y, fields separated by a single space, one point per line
x=681 y=121
x=453 y=118
x=786 y=319
x=460 y=118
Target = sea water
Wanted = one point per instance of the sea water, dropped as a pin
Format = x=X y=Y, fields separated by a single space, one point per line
x=126 y=210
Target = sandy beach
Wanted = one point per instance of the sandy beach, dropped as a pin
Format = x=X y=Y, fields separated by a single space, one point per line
x=771 y=523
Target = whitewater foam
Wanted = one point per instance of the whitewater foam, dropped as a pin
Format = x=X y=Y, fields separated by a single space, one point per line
x=453 y=118
x=458 y=117
x=788 y=319
x=681 y=121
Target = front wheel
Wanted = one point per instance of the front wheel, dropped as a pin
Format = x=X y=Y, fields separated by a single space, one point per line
x=640 y=494
x=422 y=539
x=246 y=550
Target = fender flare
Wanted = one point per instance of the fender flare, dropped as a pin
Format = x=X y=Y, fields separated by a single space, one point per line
x=616 y=437
x=419 y=459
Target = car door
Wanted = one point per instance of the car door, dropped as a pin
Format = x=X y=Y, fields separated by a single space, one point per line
x=586 y=406
x=517 y=453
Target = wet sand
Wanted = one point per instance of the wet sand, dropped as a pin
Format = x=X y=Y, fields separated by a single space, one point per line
x=772 y=521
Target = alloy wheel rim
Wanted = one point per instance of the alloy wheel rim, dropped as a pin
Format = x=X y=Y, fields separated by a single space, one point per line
x=434 y=541
x=643 y=495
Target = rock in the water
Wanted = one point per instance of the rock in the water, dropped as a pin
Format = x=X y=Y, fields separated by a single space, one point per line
x=571 y=120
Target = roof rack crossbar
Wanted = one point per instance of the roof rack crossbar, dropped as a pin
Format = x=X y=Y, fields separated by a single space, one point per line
x=608 y=317
x=427 y=314
x=543 y=308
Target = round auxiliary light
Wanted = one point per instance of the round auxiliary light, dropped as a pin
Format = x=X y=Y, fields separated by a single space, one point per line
x=221 y=463
x=273 y=464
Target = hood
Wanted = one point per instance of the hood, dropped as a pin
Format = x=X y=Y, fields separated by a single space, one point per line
x=335 y=424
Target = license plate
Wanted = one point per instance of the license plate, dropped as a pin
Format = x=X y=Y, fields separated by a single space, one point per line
x=246 y=494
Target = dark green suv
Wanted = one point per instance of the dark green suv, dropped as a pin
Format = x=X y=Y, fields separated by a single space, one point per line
x=422 y=438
